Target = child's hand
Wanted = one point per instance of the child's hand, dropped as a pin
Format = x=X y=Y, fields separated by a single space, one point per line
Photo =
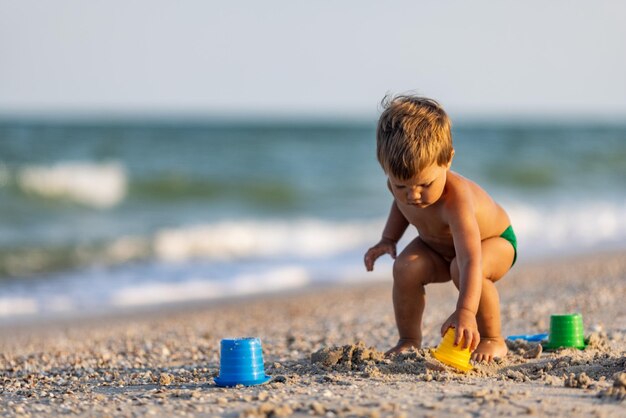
x=464 y=323
x=384 y=246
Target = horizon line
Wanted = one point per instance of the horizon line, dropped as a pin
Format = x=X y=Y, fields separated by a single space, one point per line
x=293 y=117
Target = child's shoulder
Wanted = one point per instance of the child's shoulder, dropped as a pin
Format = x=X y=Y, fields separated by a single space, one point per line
x=463 y=191
x=463 y=184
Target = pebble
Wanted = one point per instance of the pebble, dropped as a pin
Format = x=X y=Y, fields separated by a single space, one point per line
x=165 y=379
x=318 y=408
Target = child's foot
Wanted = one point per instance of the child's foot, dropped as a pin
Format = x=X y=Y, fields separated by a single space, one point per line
x=488 y=348
x=404 y=344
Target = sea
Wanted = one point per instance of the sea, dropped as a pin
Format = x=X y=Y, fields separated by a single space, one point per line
x=104 y=216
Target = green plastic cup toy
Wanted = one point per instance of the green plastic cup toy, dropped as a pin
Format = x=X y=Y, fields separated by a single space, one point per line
x=452 y=355
x=566 y=331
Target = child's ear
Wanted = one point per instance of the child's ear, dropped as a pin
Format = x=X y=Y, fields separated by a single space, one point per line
x=451 y=157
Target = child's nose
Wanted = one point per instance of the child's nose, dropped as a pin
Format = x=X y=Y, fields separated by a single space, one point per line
x=414 y=194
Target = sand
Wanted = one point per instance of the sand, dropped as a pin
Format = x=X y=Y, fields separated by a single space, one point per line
x=323 y=348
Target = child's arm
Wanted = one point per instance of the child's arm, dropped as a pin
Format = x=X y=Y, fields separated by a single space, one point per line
x=394 y=229
x=396 y=224
x=467 y=245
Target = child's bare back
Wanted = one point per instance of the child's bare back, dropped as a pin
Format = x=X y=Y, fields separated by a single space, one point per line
x=464 y=235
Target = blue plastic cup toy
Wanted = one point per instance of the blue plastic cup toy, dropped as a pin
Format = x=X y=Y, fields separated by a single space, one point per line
x=241 y=363
x=535 y=338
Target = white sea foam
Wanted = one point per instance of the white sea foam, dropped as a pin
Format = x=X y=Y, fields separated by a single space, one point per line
x=258 y=239
x=15 y=306
x=101 y=185
x=568 y=227
x=286 y=277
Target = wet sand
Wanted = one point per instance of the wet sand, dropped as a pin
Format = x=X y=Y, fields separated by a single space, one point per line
x=323 y=348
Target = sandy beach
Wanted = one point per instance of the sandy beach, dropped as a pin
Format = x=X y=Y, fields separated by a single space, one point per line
x=323 y=348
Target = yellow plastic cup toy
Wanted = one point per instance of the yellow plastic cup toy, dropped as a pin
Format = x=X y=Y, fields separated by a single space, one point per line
x=452 y=355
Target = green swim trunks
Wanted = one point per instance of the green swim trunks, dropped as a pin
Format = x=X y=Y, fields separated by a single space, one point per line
x=509 y=235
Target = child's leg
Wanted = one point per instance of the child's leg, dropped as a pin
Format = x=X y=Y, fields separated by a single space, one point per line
x=497 y=256
x=492 y=343
x=415 y=267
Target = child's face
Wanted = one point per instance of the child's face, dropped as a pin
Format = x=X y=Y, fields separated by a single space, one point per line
x=422 y=190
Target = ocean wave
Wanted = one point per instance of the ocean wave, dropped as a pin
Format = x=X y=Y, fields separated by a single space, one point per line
x=237 y=240
x=561 y=228
x=100 y=185
x=569 y=226
x=228 y=241
x=44 y=259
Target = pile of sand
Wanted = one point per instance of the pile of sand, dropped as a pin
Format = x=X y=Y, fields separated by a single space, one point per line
x=588 y=368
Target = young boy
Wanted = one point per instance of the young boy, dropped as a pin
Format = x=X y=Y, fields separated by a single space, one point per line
x=464 y=235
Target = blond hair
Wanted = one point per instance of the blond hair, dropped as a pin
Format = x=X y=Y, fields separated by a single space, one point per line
x=413 y=133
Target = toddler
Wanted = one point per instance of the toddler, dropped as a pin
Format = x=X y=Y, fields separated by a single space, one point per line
x=463 y=234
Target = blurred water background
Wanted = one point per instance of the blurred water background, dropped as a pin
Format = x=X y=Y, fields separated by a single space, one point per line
x=96 y=217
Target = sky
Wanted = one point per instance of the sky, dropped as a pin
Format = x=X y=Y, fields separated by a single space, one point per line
x=328 y=58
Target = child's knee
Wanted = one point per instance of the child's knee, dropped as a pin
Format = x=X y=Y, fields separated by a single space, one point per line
x=412 y=271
